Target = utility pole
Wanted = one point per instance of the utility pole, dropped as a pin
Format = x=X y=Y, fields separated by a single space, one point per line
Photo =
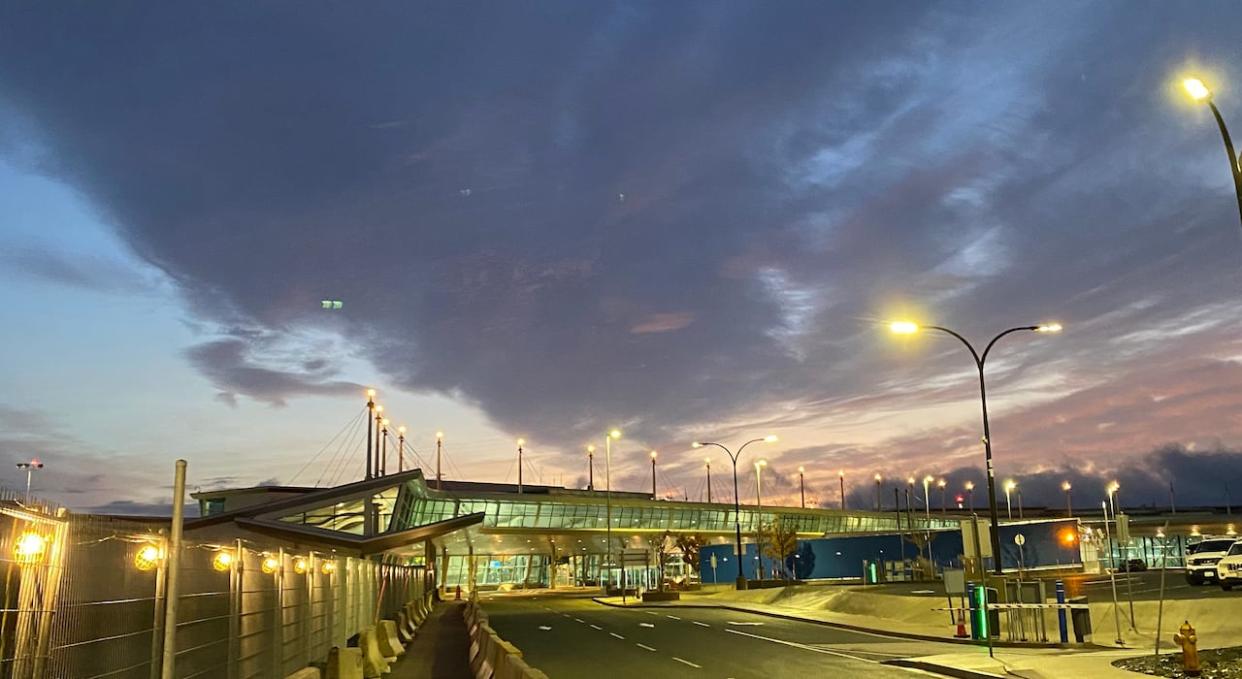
x=439 y=454
x=653 y=474
x=401 y=449
x=591 y=467
x=379 y=418
x=384 y=447
x=708 y=461
x=841 y=478
x=521 y=442
x=802 y=485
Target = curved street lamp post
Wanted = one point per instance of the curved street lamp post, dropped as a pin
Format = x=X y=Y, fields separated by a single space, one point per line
x=740 y=583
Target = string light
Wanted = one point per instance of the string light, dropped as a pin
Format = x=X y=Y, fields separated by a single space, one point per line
x=222 y=561
x=148 y=557
x=299 y=565
x=29 y=548
x=328 y=567
x=270 y=564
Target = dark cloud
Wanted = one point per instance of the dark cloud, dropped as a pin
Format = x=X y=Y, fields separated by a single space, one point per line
x=83 y=271
x=662 y=215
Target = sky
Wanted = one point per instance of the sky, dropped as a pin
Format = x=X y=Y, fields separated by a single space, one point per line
x=688 y=220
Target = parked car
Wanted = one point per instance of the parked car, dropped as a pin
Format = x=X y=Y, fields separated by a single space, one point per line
x=1203 y=557
x=1229 y=568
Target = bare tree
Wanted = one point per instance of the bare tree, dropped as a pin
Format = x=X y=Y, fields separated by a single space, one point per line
x=691 y=546
x=781 y=544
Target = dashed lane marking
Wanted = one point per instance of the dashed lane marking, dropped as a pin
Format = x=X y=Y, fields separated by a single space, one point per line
x=617 y=635
x=597 y=627
x=804 y=647
x=652 y=613
x=746 y=624
x=545 y=628
x=700 y=624
x=687 y=662
x=672 y=617
x=645 y=646
x=580 y=620
x=645 y=624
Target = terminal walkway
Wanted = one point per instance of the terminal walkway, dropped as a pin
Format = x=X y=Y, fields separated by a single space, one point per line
x=441 y=650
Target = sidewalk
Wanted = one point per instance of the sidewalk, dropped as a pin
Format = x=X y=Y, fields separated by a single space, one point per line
x=1027 y=663
x=441 y=649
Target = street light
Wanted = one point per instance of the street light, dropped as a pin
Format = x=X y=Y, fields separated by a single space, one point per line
x=740 y=583
x=591 y=467
x=612 y=436
x=878 y=479
x=1069 y=502
x=802 y=485
x=1010 y=485
x=909 y=328
x=759 y=465
x=1200 y=92
x=1114 y=496
x=841 y=479
x=30 y=468
x=970 y=495
x=520 y=443
x=707 y=462
x=927 y=481
x=941 y=484
x=653 y=474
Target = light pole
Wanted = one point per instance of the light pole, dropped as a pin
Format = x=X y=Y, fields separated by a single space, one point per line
x=841 y=479
x=707 y=462
x=1114 y=496
x=740 y=583
x=759 y=465
x=439 y=454
x=384 y=447
x=1200 y=92
x=878 y=479
x=906 y=328
x=591 y=467
x=970 y=495
x=927 y=481
x=401 y=454
x=1069 y=501
x=941 y=484
x=1010 y=484
x=520 y=443
x=1019 y=489
x=370 y=434
x=653 y=474
x=802 y=485
x=30 y=468
x=608 y=439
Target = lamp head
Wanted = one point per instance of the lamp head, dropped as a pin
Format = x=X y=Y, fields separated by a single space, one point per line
x=696 y=444
x=941 y=483
x=379 y=408
x=903 y=327
x=970 y=485
x=770 y=438
x=1049 y=328
x=401 y=430
x=1197 y=90
x=614 y=434
x=801 y=469
x=370 y=393
x=1065 y=485
x=654 y=454
x=439 y=436
x=384 y=422
x=878 y=477
x=521 y=442
x=591 y=448
x=761 y=463
x=1010 y=484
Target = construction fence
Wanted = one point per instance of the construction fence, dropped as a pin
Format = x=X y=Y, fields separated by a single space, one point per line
x=83 y=598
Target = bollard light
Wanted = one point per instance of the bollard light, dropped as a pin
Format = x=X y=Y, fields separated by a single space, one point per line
x=29 y=548
x=222 y=561
x=148 y=557
x=270 y=565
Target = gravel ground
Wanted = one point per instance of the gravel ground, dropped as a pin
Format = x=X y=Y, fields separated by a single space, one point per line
x=1223 y=663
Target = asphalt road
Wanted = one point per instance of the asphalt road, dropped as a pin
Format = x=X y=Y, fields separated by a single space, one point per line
x=570 y=637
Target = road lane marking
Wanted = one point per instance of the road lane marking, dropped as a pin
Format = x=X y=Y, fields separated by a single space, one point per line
x=652 y=613
x=749 y=624
x=687 y=662
x=617 y=635
x=565 y=615
x=645 y=646
x=673 y=617
x=597 y=627
x=645 y=624
x=804 y=647
x=545 y=628
x=700 y=624
x=580 y=620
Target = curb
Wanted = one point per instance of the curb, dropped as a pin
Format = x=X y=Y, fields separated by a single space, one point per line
x=942 y=669
x=870 y=630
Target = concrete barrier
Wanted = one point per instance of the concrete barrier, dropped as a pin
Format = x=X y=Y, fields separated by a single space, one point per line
x=386 y=636
x=490 y=656
x=344 y=663
x=405 y=627
x=516 y=668
x=305 y=673
x=374 y=663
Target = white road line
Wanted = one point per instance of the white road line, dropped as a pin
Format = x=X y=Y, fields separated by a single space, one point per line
x=597 y=627
x=652 y=613
x=672 y=617
x=687 y=662
x=565 y=615
x=804 y=647
x=617 y=635
x=580 y=620
x=645 y=624
x=700 y=624
x=545 y=628
x=749 y=624
x=645 y=646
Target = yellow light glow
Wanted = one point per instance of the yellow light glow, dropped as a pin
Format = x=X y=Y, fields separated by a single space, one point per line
x=591 y=448
x=401 y=430
x=148 y=557
x=696 y=444
x=878 y=478
x=370 y=393
x=521 y=442
x=941 y=483
x=654 y=454
x=1113 y=487
x=761 y=463
x=1196 y=89
x=379 y=408
x=328 y=568
x=928 y=479
x=910 y=480
x=29 y=548
x=1049 y=327
x=384 y=422
x=903 y=327
x=299 y=566
x=1065 y=485
x=770 y=438
x=1010 y=484
x=707 y=461
x=614 y=434
x=222 y=561
x=801 y=470
x=970 y=485
x=841 y=473
x=1230 y=530
x=270 y=565
x=439 y=435
x=1069 y=536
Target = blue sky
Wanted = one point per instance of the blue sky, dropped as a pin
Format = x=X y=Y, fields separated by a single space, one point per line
x=685 y=219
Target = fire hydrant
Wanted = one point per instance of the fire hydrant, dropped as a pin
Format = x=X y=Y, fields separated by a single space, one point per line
x=1189 y=641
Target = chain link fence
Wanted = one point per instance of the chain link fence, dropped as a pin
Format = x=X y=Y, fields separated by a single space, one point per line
x=83 y=598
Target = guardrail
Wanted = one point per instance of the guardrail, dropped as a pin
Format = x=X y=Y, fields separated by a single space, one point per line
x=490 y=656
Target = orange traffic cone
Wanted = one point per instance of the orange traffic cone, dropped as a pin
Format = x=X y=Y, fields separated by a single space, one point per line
x=961 y=625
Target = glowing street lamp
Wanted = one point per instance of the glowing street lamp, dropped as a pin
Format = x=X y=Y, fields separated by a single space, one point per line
x=759 y=465
x=910 y=328
x=802 y=485
x=1114 y=496
x=611 y=436
x=1069 y=502
x=1010 y=485
x=439 y=454
x=401 y=452
x=878 y=479
x=654 y=454
x=941 y=485
x=707 y=463
x=1200 y=93
x=591 y=467
x=841 y=480
x=737 y=508
x=370 y=434
x=970 y=496
x=30 y=468
x=927 y=481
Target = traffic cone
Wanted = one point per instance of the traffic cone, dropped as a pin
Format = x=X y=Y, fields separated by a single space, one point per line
x=961 y=625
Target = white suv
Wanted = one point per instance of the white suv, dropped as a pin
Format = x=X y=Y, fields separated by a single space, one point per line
x=1229 y=568
x=1201 y=562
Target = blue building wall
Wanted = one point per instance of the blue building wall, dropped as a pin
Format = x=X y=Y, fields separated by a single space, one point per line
x=842 y=557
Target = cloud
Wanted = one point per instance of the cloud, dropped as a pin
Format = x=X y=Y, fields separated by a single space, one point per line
x=81 y=271
x=669 y=217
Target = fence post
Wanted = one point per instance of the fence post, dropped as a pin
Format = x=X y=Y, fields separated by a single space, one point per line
x=278 y=629
x=157 y=623
x=169 y=652
x=308 y=608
